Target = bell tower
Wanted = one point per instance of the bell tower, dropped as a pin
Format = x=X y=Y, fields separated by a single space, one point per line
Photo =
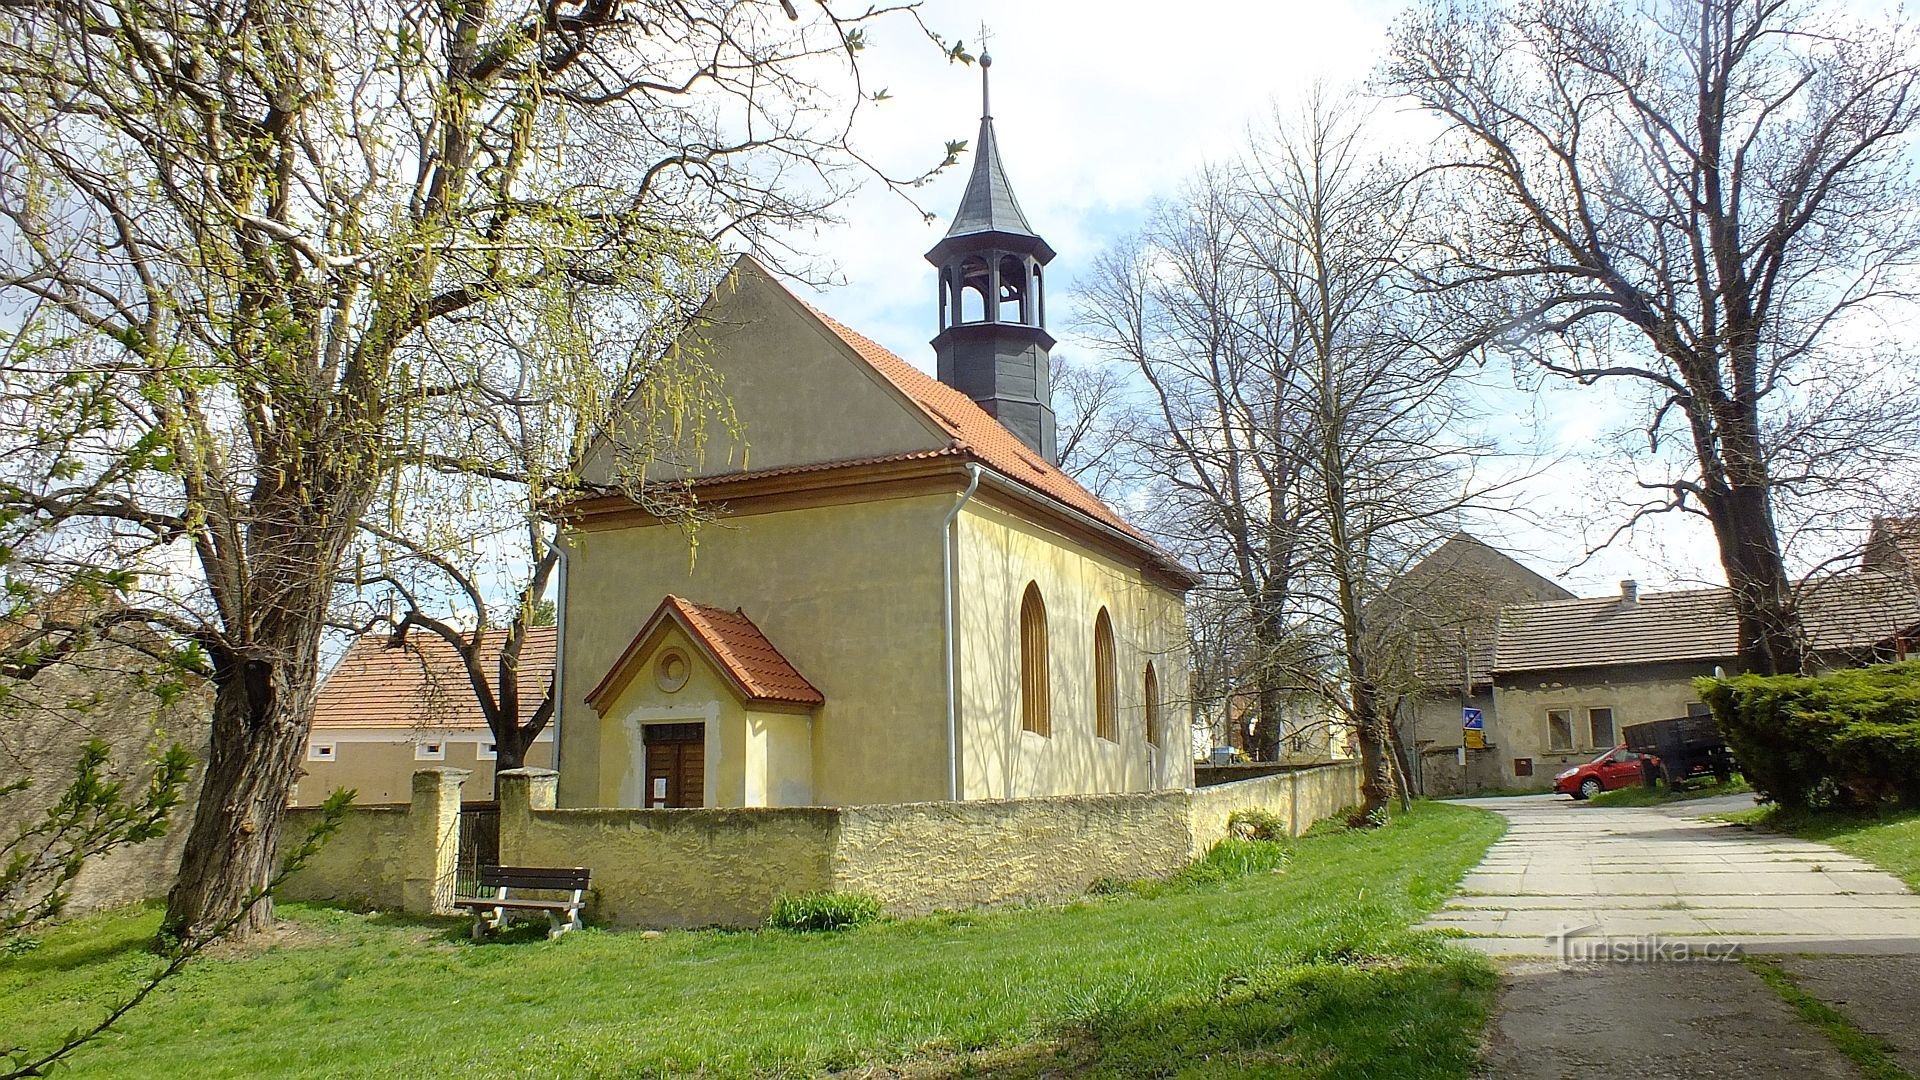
x=993 y=344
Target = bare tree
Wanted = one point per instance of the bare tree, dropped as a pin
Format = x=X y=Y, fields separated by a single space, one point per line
x=1712 y=200
x=1312 y=432
x=242 y=243
x=1187 y=309
x=1089 y=400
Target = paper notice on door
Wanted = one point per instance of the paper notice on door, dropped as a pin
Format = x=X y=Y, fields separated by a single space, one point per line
x=659 y=788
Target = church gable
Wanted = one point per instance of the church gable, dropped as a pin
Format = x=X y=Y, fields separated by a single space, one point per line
x=799 y=393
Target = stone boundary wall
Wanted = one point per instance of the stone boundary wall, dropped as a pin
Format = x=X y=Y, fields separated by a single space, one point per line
x=921 y=857
x=726 y=867
x=1209 y=775
x=385 y=856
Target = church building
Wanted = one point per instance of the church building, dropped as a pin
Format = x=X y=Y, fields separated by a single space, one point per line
x=900 y=596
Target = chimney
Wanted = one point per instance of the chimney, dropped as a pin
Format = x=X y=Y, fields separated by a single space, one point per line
x=1629 y=594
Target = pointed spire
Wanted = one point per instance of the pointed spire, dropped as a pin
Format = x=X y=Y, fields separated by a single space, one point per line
x=988 y=204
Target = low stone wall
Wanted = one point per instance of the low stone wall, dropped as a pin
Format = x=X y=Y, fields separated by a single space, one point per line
x=1209 y=775
x=385 y=856
x=364 y=863
x=684 y=868
x=679 y=867
x=921 y=857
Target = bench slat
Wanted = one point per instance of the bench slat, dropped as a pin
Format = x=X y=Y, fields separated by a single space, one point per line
x=533 y=877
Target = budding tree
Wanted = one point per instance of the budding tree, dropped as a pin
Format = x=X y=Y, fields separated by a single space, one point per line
x=251 y=247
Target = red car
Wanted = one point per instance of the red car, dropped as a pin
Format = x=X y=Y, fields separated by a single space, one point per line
x=1617 y=768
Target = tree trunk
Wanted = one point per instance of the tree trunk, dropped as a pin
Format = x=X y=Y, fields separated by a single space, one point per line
x=1402 y=767
x=1376 y=762
x=510 y=752
x=1770 y=641
x=1263 y=736
x=261 y=710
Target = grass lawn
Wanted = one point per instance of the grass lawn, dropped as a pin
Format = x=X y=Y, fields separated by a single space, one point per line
x=1889 y=841
x=1305 y=971
x=1640 y=795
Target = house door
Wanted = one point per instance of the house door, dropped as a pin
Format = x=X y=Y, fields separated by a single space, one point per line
x=676 y=764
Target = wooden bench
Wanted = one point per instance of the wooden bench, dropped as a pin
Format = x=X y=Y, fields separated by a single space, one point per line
x=490 y=912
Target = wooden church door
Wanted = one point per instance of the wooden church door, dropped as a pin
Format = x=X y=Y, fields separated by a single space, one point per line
x=676 y=764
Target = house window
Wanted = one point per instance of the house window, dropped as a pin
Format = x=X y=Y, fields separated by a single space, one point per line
x=1105 y=690
x=1559 y=729
x=1600 y=727
x=1035 y=709
x=430 y=751
x=1150 y=693
x=487 y=751
x=321 y=751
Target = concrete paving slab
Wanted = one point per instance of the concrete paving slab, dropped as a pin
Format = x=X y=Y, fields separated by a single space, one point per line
x=1657 y=1020
x=1639 y=871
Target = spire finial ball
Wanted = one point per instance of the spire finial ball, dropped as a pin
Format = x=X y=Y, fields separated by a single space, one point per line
x=986 y=59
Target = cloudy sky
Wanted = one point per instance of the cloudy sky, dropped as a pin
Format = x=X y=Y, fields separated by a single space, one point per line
x=1102 y=108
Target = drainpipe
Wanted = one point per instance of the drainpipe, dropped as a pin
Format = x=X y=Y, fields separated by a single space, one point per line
x=946 y=627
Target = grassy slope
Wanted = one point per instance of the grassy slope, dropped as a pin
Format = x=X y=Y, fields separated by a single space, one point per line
x=1307 y=972
x=1889 y=841
x=1639 y=795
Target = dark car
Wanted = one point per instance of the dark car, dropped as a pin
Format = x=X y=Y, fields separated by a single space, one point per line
x=1617 y=768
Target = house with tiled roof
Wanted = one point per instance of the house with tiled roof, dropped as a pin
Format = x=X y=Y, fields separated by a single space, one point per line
x=1558 y=679
x=1893 y=546
x=388 y=708
x=897 y=595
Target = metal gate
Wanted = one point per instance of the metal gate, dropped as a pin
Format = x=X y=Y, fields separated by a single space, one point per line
x=479 y=843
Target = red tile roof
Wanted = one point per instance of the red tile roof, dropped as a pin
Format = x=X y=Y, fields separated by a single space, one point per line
x=972 y=430
x=734 y=644
x=424 y=684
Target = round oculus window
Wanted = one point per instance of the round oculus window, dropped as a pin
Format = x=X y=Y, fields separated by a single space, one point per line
x=670 y=672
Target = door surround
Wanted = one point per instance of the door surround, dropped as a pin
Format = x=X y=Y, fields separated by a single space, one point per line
x=633 y=786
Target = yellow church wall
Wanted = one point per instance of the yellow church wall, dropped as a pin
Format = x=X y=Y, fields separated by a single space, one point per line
x=800 y=398
x=998 y=554
x=850 y=594
x=782 y=745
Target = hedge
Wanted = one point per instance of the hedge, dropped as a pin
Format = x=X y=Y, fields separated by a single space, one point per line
x=1848 y=739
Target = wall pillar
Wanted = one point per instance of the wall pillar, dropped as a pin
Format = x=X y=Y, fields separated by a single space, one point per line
x=522 y=791
x=433 y=841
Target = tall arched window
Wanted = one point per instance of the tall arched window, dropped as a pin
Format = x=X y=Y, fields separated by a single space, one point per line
x=1105 y=693
x=1036 y=714
x=1150 y=693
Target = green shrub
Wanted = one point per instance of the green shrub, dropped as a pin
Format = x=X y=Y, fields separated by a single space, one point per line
x=1848 y=739
x=1232 y=859
x=823 y=911
x=1254 y=823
